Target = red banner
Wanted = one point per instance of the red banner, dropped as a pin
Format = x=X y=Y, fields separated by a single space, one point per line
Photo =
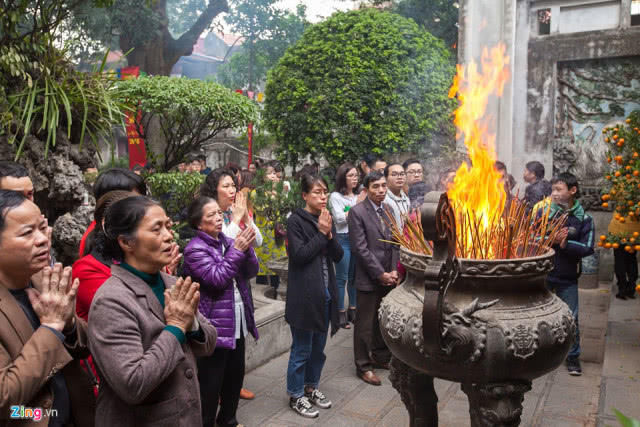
x=137 y=150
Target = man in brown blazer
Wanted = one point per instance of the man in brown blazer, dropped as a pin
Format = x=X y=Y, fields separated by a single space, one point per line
x=376 y=275
x=40 y=382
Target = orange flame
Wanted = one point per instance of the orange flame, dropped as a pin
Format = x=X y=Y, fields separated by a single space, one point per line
x=478 y=191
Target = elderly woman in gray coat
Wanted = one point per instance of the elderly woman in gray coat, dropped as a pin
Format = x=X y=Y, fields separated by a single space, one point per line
x=144 y=328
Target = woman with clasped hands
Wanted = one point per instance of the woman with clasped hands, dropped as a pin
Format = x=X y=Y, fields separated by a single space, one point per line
x=223 y=266
x=144 y=328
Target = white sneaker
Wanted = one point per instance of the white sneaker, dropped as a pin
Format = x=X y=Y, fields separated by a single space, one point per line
x=318 y=398
x=303 y=407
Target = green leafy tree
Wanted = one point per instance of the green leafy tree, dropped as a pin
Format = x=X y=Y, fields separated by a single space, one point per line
x=188 y=111
x=268 y=31
x=439 y=17
x=360 y=82
x=42 y=93
x=144 y=28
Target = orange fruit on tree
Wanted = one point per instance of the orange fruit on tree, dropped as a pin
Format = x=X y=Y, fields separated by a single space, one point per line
x=621 y=140
x=603 y=237
x=615 y=137
x=632 y=240
x=617 y=174
x=636 y=155
x=615 y=245
x=608 y=159
x=600 y=244
x=636 y=172
x=621 y=219
x=636 y=234
x=606 y=139
x=630 y=203
x=638 y=288
x=628 y=176
x=607 y=245
x=605 y=205
x=637 y=247
x=627 y=121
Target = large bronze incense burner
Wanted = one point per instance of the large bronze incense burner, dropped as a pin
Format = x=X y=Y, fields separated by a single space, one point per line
x=491 y=325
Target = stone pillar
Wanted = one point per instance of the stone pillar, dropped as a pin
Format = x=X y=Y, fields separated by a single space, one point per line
x=484 y=24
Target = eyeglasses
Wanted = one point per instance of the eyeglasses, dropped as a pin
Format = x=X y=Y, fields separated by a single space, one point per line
x=414 y=172
x=397 y=174
x=320 y=193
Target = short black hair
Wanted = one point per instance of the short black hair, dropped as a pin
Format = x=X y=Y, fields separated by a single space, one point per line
x=371 y=159
x=209 y=187
x=194 y=212
x=118 y=179
x=386 y=169
x=9 y=200
x=13 y=170
x=569 y=179
x=277 y=167
x=202 y=157
x=410 y=162
x=536 y=168
x=371 y=177
x=122 y=219
x=307 y=181
x=500 y=165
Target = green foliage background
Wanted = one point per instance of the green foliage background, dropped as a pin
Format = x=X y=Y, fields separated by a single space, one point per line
x=360 y=82
x=190 y=112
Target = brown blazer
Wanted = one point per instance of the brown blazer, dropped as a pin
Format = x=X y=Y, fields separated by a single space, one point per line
x=148 y=377
x=29 y=358
x=373 y=256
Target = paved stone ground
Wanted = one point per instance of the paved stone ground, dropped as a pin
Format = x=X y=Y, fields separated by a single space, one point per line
x=556 y=399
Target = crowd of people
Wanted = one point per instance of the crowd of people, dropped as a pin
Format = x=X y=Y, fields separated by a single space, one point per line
x=137 y=333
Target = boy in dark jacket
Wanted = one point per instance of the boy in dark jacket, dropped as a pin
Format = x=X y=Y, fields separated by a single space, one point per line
x=574 y=242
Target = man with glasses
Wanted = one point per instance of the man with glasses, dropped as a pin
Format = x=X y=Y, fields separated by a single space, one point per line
x=414 y=171
x=396 y=198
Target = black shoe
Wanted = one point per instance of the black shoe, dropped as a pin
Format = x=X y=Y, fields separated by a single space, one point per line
x=620 y=296
x=631 y=295
x=342 y=320
x=351 y=314
x=573 y=366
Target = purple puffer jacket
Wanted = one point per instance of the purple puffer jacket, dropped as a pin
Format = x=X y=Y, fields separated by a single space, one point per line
x=204 y=262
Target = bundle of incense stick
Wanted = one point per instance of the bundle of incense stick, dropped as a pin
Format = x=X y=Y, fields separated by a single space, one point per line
x=411 y=237
x=515 y=233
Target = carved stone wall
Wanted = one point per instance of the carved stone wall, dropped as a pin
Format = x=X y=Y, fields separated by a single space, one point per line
x=591 y=95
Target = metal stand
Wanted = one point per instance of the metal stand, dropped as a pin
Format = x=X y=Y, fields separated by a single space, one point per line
x=417 y=393
x=496 y=404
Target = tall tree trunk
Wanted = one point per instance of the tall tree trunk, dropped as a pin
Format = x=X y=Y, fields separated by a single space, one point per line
x=158 y=56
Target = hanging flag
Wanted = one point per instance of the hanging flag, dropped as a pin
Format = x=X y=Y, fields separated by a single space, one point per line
x=260 y=97
x=250 y=94
x=137 y=150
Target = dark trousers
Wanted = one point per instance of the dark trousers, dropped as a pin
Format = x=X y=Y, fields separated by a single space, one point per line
x=626 y=268
x=367 y=338
x=220 y=376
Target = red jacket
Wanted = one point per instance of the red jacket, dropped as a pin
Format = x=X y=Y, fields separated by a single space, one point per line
x=83 y=241
x=92 y=274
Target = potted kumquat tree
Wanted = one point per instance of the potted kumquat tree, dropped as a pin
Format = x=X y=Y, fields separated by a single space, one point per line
x=623 y=192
